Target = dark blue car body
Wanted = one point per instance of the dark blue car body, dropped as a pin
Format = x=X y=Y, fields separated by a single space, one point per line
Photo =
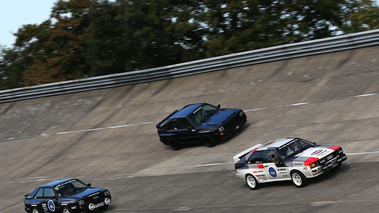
x=199 y=123
x=66 y=195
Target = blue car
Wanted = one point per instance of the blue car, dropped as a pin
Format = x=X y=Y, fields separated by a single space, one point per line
x=67 y=196
x=199 y=123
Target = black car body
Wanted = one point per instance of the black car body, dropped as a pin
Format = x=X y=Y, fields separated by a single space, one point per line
x=199 y=123
x=66 y=195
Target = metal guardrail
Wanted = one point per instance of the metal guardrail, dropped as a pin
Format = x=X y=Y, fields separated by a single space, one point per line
x=282 y=52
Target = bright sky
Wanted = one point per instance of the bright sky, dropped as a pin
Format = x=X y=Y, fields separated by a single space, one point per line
x=16 y=13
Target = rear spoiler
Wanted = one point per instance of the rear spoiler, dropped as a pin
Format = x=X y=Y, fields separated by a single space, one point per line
x=242 y=154
x=164 y=120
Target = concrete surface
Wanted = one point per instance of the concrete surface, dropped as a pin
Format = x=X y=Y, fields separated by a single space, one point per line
x=108 y=137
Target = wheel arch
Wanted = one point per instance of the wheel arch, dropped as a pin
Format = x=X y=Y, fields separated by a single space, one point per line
x=252 y=175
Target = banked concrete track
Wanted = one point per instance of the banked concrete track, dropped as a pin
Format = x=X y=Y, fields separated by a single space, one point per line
x=108 y=137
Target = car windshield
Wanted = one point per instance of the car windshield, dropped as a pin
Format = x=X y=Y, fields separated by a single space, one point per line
x=70 y=188
x=294 y=147
x=203 y=113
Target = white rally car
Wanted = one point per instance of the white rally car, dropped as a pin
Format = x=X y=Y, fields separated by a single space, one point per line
x=293 y=159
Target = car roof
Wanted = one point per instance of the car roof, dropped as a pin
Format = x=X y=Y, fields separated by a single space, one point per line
x=56 y=182
x=188 y=109
x=275 y=143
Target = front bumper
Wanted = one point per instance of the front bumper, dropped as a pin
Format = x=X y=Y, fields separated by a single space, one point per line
x=231 y=128
x=327 y=166
x=334 y=162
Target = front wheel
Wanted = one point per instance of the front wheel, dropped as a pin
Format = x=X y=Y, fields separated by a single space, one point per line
x=35 y=210
x=251 y=182
x=209 y=141
x=299 y=179
x=66 y=210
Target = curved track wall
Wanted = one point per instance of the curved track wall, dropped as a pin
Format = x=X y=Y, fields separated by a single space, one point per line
x=108 y=136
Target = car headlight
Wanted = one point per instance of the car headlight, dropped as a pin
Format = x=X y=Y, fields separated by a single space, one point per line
x=221 y=129
x=241 y=113
x=81 y=202
x=106 y=193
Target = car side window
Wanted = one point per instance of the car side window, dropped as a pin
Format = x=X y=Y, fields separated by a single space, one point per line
x=179 y=123
x=256 y=157
x=39 y=194
x=185 y=124
x=49 y=193
x=271 y=156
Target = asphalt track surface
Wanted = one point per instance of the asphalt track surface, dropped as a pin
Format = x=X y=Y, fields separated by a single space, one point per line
x=108 y=137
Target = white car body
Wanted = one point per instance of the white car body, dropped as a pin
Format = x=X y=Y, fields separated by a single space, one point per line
x=274 y=161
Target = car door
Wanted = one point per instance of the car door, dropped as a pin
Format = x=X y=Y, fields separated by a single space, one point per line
x=37 y=201
x=183 y=130
x=51 y=200
x=45 y=200
x=275 y=168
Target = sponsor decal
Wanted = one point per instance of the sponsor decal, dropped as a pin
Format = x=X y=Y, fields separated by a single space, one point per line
x=260 y=166
x=268 y=143
x=272 y=172
x=319 y=152
x=51 y=205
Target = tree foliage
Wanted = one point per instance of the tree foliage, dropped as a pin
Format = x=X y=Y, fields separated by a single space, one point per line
x=363 y=15
x=85 y=38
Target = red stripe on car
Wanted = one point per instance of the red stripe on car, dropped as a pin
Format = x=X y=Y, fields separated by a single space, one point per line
x=334 y=147
x=309 y=161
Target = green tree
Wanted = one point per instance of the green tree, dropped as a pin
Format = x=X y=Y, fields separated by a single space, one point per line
x=57 y=45
x=85 y=38
x=363 y=15
x=129 y=35
x=234 y=26
x=12 y=65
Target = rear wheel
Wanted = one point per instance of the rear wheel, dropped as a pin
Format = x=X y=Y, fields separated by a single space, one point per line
x=251 y=182
x=299 y=179
x=174 y=144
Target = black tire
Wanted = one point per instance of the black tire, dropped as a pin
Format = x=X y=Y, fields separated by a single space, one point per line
x=209 y=141
x=338 y=166
x=174 y=144
x=104 y=207
x=35 y=210
x=66 y=210
x=299 y=179
x=251 y=182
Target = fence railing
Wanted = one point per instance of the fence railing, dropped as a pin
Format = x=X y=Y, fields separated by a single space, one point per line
x=282 y=52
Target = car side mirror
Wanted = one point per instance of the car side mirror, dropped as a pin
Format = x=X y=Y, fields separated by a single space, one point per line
x=89 y=185
x=219 y=106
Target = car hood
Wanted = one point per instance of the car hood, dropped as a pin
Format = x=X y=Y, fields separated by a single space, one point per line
x=313 y=152
x=86 y=193
x=219 y=118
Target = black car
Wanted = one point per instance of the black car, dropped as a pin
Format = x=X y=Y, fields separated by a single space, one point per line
x=66 y=195
x=199 y=123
